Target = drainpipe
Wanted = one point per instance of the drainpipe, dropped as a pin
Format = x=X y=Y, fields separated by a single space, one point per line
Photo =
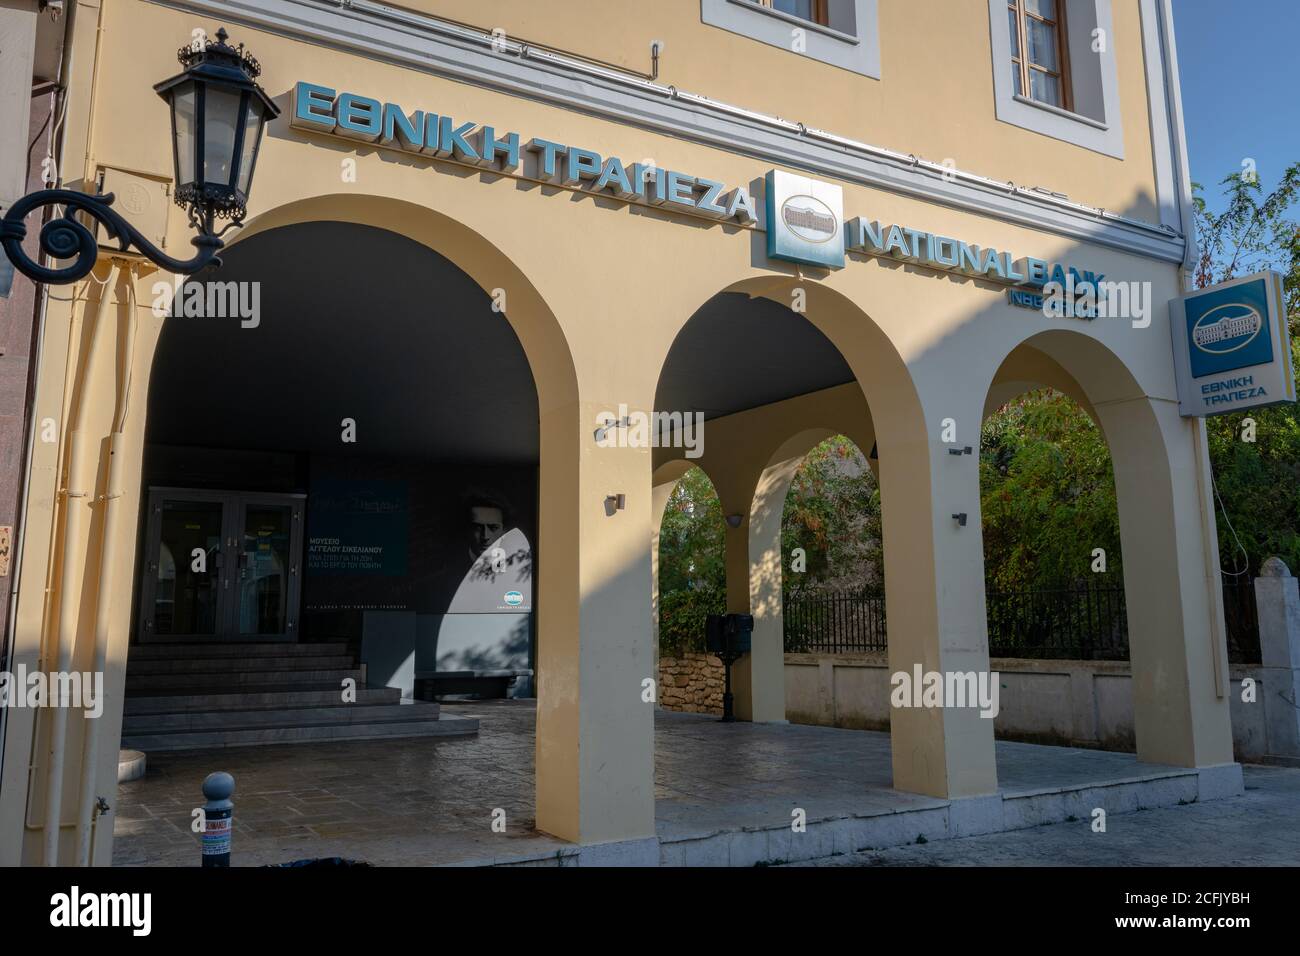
x=67 y=595
x=1200 y=443
x=88 y=814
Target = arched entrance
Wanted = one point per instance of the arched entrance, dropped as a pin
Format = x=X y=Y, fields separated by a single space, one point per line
x=1174 y=603
x=775 y=365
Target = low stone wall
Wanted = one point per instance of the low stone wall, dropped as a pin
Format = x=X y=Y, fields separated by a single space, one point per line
x=1069 y=703
x=691 y=683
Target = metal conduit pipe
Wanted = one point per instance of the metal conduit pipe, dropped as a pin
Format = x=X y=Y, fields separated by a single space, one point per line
x=87 y=814
x=67 y=595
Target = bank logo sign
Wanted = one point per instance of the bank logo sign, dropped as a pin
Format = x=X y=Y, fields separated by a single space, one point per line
x=1227 y=337
x=805 y=220
x=1231 y=346
x=805 y=217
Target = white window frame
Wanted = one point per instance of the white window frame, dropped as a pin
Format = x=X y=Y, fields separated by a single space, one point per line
x=1101 y=133
x=857 y=51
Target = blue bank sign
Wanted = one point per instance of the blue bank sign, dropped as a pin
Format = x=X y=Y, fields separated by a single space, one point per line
x=804 y=217
x=323 y=110
x=1232 y=348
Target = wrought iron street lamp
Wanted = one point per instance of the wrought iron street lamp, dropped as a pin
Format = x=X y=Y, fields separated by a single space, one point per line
x=218 y=116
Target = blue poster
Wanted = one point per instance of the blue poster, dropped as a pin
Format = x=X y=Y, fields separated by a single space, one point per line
x=358 y=527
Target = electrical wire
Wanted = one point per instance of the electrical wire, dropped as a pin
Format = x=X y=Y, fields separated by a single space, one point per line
x=1228 y=521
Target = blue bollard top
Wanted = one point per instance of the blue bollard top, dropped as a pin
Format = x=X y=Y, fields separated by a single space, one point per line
x=218 y=787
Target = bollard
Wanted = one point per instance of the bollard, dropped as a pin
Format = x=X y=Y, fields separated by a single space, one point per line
x=218 y=820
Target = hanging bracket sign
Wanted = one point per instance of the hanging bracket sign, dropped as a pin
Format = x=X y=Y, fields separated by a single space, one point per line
x=1232 y=347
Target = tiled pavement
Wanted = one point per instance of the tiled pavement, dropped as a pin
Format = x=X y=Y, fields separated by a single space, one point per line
x=407 y=801
x=422 y=801
x=1261 y=828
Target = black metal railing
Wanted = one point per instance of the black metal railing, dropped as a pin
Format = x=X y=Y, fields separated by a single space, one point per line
x=1242 y=620
x=1086 y=622
x=834 y=622
x=1071 y=622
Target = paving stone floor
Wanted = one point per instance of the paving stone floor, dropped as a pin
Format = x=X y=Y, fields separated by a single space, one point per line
x=420 y=801
x=1260 y=828
x=408 y=801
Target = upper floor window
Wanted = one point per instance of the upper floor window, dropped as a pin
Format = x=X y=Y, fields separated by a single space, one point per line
x=1054 y=69
x=815 y=11
x=840 y=33
x=1039 y=52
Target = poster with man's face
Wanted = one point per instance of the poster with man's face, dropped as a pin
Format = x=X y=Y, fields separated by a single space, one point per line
x=499 y=577
x=412 y=537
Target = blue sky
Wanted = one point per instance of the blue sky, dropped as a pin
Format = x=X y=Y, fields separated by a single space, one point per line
x=1238 y=61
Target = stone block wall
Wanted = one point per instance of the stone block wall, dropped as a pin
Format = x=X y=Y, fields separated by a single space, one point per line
x=691 y=683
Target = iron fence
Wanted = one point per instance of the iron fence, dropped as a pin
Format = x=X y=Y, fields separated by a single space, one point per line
x=834 y=622
x=1242 y=620
x=1087 y=622
x=1070 y=622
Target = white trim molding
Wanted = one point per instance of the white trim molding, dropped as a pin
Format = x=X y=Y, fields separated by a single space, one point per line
x=1095 y=123
x=427 y=44
x=851 y=41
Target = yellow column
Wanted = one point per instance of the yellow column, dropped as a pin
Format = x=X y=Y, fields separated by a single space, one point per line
x=934 y=605
x=595 y=721
x=1172 y=584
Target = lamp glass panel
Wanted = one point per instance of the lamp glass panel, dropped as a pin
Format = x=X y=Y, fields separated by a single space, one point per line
x=252 y=140
x=221 y=113
x=183 y=129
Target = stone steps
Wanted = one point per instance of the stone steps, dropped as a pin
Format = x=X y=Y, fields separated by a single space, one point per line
x=203 y=695
x=216 y=665
x=264 y=698
x=210 y=739
x=263 y=718
x=236 y=681
x=243 y=650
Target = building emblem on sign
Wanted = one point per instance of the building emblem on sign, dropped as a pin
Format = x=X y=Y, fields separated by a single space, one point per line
x=809 y=218
x=804 y=220
x=514 y=598
x=1227 y=328
x=1224 y=326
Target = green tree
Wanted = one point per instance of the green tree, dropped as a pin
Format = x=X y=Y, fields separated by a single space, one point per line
x=1257 y=482
x=692 y=564
x=1047 y=494
x=832 y=512
x=692 y=550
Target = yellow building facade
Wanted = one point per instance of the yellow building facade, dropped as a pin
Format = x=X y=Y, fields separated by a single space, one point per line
x=907 y=112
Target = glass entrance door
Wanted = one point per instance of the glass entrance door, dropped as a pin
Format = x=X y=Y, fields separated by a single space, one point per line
x=221 y=566
x=267 y=568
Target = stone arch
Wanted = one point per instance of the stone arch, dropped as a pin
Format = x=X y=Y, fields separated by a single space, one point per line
x=554 y=376
x=933 y=752
x=1177 y=651
x=539 y=332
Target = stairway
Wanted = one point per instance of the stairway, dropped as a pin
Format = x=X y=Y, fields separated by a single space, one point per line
x=199 y=696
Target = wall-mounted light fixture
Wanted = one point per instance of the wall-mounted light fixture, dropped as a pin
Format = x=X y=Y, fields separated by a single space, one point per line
x=960 y=518
x=610 y=425
x=615 y=503
x=218 y=115
x=733 y=521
